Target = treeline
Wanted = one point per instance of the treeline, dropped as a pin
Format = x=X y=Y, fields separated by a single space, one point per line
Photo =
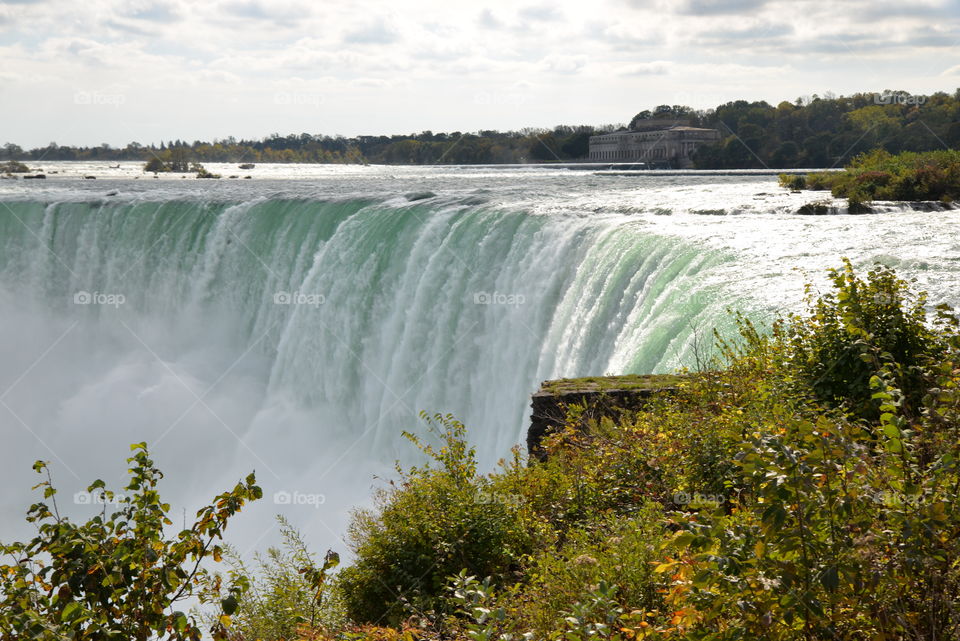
x=563 y=142
x=809 y=132
x=828 y=131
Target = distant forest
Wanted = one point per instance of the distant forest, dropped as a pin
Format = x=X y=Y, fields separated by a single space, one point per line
x=809 y=132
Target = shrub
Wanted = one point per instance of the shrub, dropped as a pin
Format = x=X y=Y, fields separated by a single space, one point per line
x=616 y=551
x=854 y=332
x=14 y=167
x=117 y=576
x=436 y=522
x=288 y=591
x=793 y=181
x=844 y=528
x=155 y=165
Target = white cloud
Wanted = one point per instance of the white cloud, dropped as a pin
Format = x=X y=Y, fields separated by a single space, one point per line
x=427 y=59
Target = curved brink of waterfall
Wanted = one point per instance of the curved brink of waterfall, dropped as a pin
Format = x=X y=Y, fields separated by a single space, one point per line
x=370 y=310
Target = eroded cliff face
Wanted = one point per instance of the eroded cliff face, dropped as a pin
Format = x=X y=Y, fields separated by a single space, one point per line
x=600 y=396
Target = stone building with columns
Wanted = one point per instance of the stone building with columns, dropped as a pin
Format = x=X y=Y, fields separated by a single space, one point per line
x=670 y=146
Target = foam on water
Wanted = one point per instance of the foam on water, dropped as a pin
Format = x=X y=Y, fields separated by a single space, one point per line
x=297 y=326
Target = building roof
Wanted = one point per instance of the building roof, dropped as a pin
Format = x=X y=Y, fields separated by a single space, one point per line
x=653 y=131
x=685 y=128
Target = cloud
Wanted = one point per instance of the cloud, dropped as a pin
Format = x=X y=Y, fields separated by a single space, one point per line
x=659 y=48
x=622 y=36
x=720 y=7
x=746 y=36
x=281 y=14
x=647 y=69
x=487 y=20
x=156 y=13
x=563 y=63
x=878 y=10
x=375 y=33
x=541 y=13
x=119 y=25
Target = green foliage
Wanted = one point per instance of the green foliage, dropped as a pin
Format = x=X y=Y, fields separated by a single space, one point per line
x=437 y=521
x=745 y=505
x=821 y=131
x=615 y=551
x=802 y=487
x=827 y=131
x=202 y=171
x=844 y=528
x=13 y=167
x=907 y=176
x=852 y=333
x=476 y=600
x=117 y=576
x=155 y=165
x=793 y=181
x=288 y=590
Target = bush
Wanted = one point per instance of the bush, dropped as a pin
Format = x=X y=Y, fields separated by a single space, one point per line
x=13 y=167
x=793 y=181
x=844 y=527
x=436 y=522
x=618 y=551
x=288 y=592
x=155 y=165
x=802 y=488
x=117 y=576
x=854 y=332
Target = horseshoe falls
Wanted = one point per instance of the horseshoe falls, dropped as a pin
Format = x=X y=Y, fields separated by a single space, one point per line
x=297 y=325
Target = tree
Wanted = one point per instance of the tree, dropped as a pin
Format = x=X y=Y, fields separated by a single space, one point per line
x=117 y=576
x=155 y=165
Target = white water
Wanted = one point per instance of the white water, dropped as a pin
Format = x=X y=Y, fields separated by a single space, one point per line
x=459 y=303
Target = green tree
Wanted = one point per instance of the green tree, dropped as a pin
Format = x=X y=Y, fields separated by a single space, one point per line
x=117 y=577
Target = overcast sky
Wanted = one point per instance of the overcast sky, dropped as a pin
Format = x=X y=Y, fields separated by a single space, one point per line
x=94 y=71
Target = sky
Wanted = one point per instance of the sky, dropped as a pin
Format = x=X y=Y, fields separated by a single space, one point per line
x=113 y=71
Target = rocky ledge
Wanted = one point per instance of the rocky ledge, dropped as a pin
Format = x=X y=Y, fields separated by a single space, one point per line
x=601 y=396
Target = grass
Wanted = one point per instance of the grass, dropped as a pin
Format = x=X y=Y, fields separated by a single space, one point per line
x=629 y=382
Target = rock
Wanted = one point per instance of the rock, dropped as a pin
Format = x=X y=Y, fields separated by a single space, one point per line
x=112 y=193
x=815 y=209
x=419 y=195
x=246 y=165
x=859 y=208
x=36 y=177
x=89 y=177
x=602 y=396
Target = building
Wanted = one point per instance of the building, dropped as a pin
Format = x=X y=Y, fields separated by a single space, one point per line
x=670 y=146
